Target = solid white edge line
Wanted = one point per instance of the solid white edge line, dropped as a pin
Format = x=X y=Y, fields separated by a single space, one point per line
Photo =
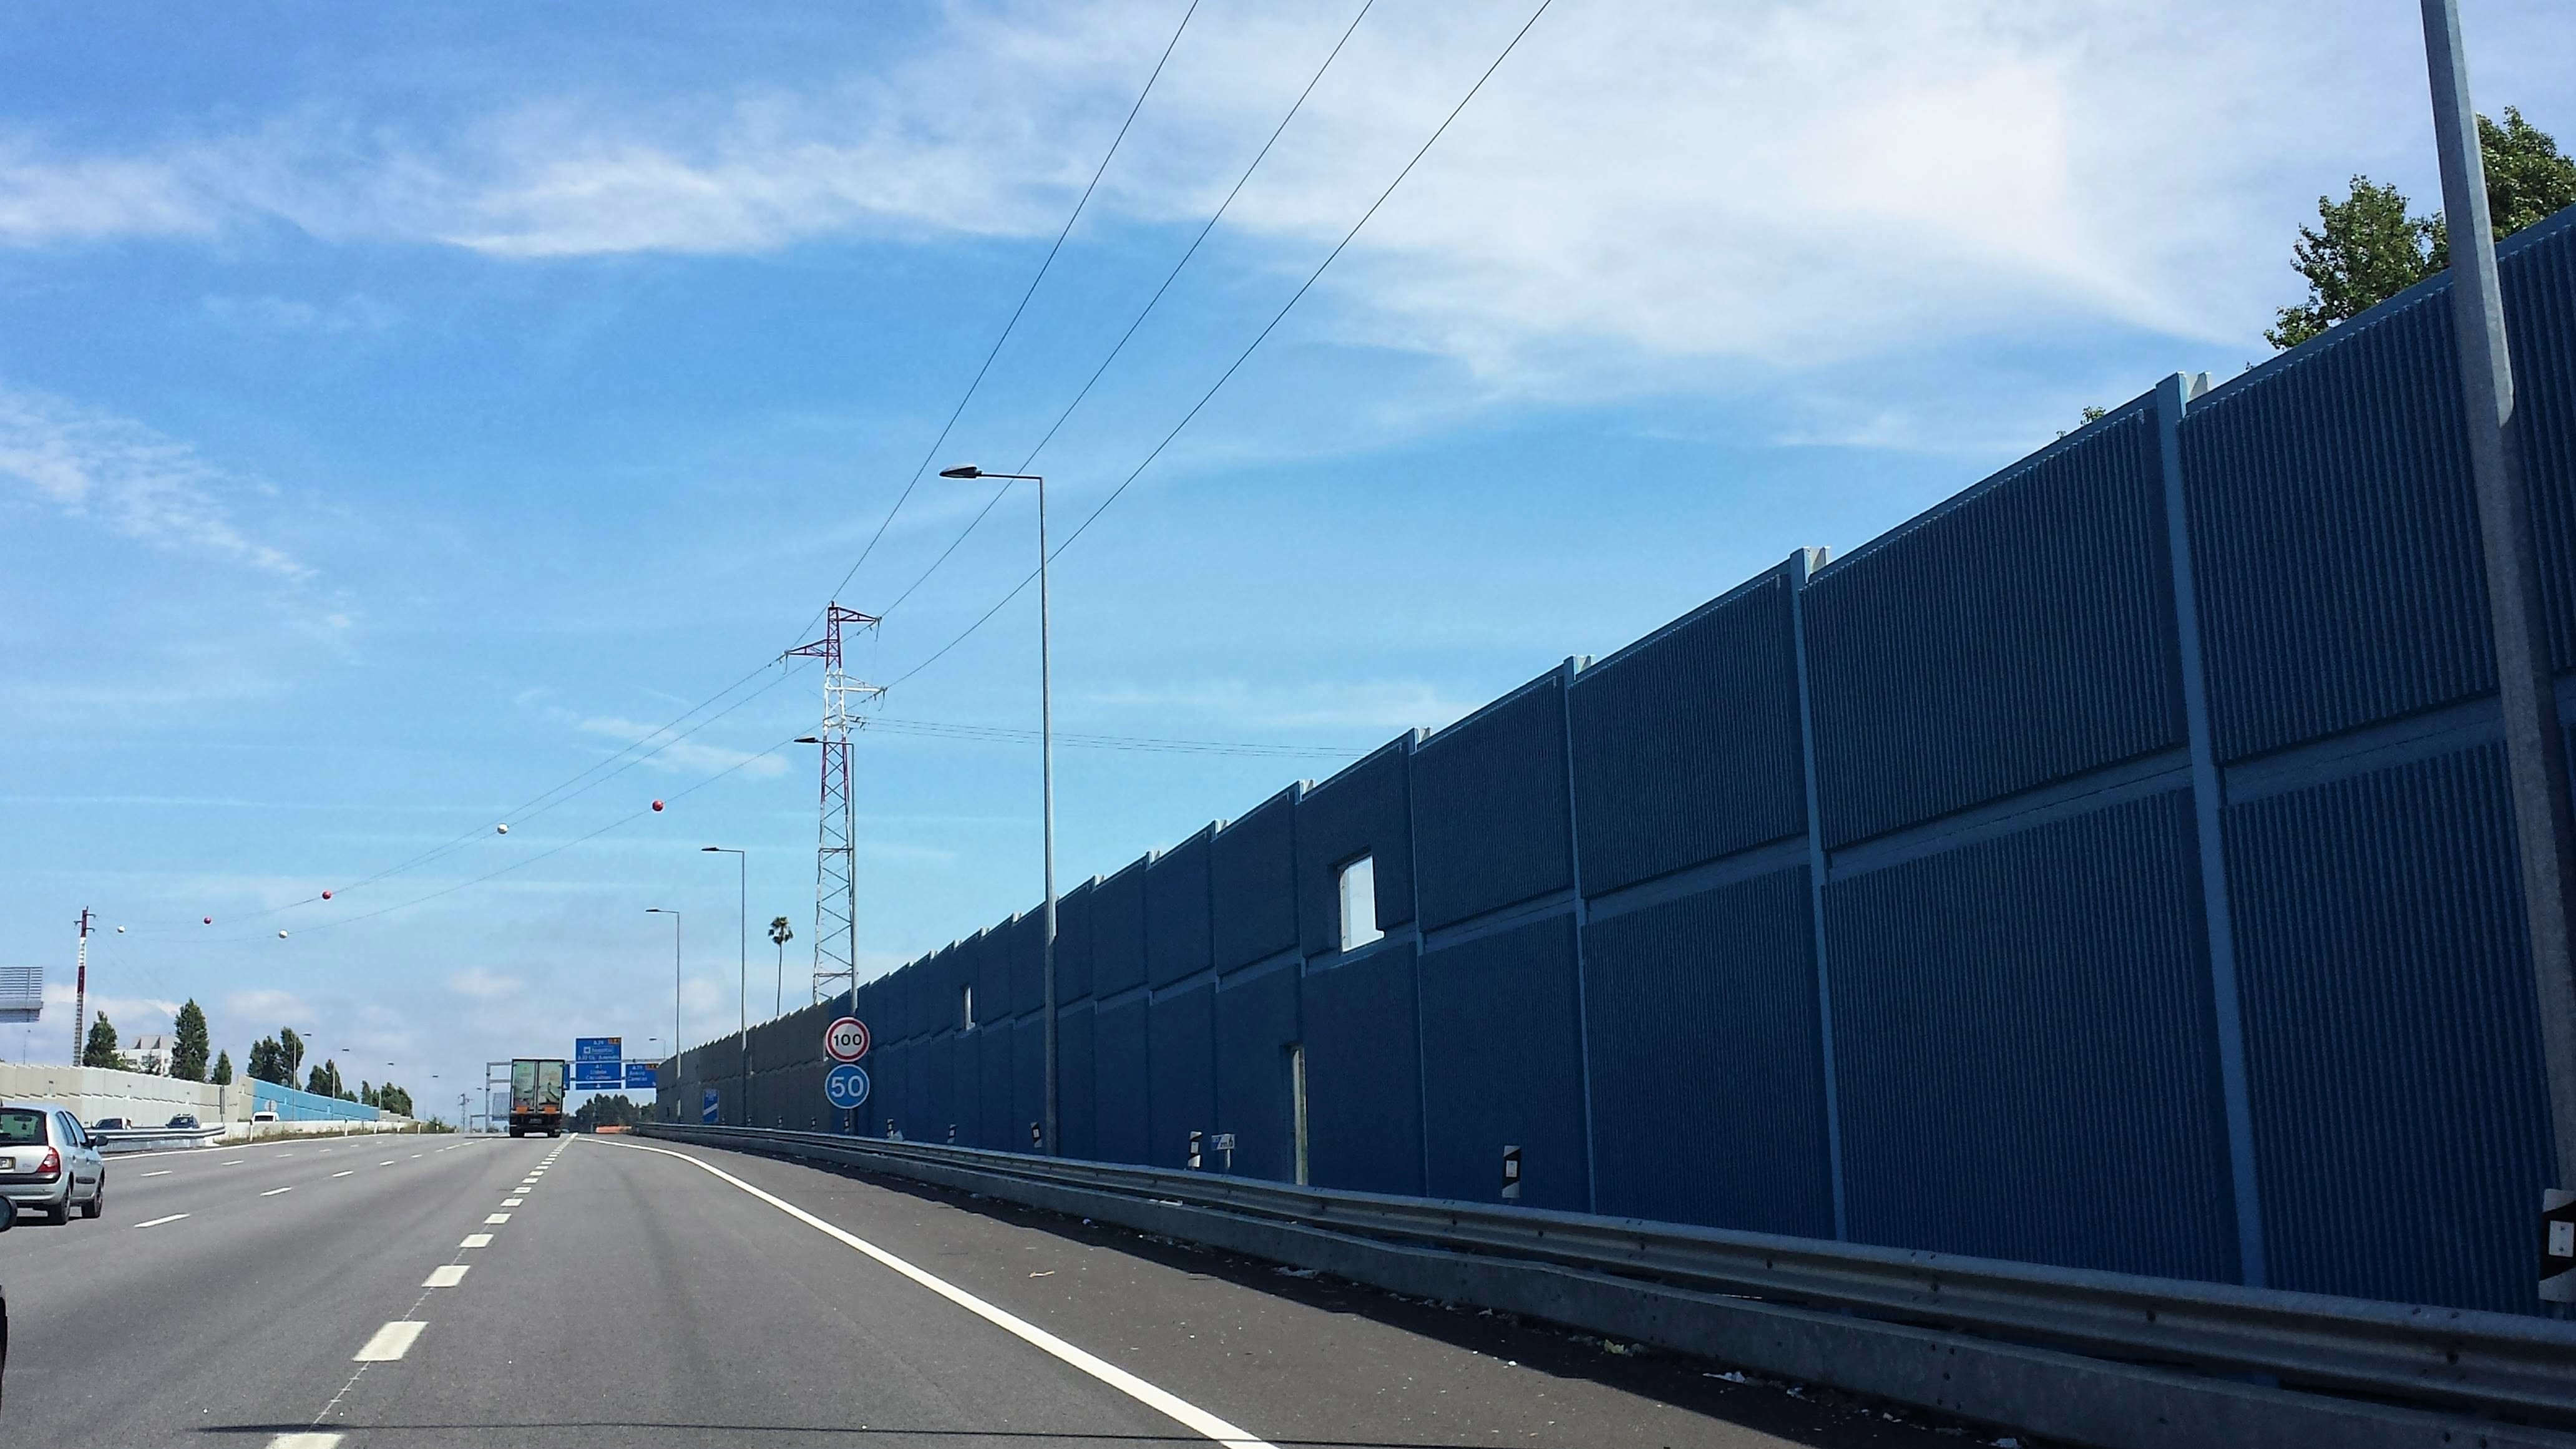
x=156 y=1222
x=390 y=1342
x=1171 y=1406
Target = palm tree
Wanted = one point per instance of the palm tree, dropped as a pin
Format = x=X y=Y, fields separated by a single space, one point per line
x=780 y=933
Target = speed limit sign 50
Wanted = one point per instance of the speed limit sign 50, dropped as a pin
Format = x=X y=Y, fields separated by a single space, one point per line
x=846 y=1040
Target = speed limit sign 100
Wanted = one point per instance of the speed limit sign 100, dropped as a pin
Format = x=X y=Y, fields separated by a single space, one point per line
x=846 y=1040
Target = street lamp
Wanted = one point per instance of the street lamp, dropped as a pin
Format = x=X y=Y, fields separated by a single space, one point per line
x=1046 y=768
x=675 y=977
x=741 y=959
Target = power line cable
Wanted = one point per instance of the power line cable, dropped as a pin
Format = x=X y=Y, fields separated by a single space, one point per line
x=1244 y=356
x=1148 y=310
x=1008 y=327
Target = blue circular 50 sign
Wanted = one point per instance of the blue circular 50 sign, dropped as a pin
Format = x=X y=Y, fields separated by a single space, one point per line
x=846 y=1086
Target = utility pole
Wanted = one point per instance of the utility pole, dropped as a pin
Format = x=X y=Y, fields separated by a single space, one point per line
x=2544 y=825
x=80 y=989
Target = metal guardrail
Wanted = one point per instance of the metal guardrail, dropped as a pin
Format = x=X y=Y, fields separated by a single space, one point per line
x=2452 y=1360
x=137 y=1139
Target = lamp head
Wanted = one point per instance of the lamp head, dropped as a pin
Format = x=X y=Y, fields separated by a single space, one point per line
x=967 y=470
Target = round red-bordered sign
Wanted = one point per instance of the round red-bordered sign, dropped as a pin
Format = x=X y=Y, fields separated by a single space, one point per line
x=846 y=1039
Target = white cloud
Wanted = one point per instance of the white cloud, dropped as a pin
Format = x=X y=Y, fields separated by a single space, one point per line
x=477 y=984
x=144 y=485
x=1373 y=710
x=265 y=1003
x=129 y=1013
x=688 y=756
x=1649 y=194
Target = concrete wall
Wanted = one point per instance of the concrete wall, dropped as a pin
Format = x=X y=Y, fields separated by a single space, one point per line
x=141 y=1097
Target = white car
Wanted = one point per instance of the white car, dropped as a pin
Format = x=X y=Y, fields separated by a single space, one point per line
x=50 y=1165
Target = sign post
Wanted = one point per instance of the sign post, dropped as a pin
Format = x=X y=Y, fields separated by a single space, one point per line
x=846 y=1086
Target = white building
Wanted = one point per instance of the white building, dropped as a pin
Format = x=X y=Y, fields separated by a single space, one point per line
x=151 y=1053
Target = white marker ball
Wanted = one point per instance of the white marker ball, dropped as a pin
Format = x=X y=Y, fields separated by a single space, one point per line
x=281 y=935
x=502 y=829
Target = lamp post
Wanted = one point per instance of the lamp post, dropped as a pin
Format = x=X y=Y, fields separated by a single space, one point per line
x=675 y=982
x=1046 y=769
x=741 y=964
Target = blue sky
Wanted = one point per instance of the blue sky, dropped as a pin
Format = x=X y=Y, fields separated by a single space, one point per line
x=403 y=410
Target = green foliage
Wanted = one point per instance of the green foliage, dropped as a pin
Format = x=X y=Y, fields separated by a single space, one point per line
x=100 y=1049
x=290 y=1054
x=223 y=1076
x=268 y=1062
x=188 y=1059
x=2366 y=249
x=613 y=1111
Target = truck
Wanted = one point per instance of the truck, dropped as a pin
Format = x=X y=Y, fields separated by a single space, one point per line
x=537 y=1095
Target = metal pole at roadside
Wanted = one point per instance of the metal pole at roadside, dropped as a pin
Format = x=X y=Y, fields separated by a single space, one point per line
x=2544 y=821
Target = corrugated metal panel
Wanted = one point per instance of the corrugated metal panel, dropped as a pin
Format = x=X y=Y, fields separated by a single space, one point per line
x=966 y=1086
x=1364 y=1073
x=1028 y=1080
x=994 y=1115
x=1252 y=874
x=1024 y=958
x=1177 y=942
x=1686 y=746
x=1503 y=1064
x=2392 y=1043
x=1256 y=1023
x=1489 y=807
x=2021 y=632
x=978 y=963
x=1075 y=1084
x=1364 y=810
x=1119 y=1123
x=1073 y=943
x=1708 y=1099
x=1181 y=1046
x=2538 y=268
x=2333 y=535
x=1118 y=932
x=2026 y=1049
x=935 y=1090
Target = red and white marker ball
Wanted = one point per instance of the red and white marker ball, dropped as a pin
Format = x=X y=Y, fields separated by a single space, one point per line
x=326 y=895
x=210 y=920
x=657 y=805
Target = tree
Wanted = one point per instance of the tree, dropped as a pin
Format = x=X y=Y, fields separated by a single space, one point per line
x=223 y=1076
x=100 y=1050
x=290 y=1055
x=188 y=1058
x=780 y=933
x=2365 y=249
x=268 y=1062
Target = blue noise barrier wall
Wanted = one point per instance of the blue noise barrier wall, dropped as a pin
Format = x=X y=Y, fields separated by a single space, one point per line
x=2110 y=867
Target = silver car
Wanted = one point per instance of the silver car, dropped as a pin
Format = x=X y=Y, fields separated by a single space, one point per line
x=49 y=1165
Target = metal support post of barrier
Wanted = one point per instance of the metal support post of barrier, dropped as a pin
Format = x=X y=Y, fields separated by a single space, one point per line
x=1511 y=1174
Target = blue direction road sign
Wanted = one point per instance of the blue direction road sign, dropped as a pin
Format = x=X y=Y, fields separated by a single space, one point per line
x=710 y=1106
x=597 y=1076
x=640 y=1078
x=846 y=1086
x=597 y=1048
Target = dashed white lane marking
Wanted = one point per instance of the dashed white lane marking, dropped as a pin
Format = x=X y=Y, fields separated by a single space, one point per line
x=344 y=1172
x=476 y=1240
x=164 y=1172
x=496 y=1218
x=236 y=1162
x=512 y=1201
x=156 y=1222
x=305 y=1441
x=274 y=1191
x=388 y=1162
x=1170 y=1405
x=390 y=1342
x=415 y=1157
x=446 y=1275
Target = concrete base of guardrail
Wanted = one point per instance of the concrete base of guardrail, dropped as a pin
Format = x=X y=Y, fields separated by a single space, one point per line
x=2069 y=1397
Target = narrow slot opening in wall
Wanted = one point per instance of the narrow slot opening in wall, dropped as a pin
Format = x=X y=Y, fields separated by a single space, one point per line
x=966 y=1006
x=1357 y=885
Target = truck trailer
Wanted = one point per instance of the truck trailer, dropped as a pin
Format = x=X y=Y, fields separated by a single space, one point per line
x=537 y=1095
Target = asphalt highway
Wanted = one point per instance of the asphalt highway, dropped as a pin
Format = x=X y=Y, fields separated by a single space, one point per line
x=591 y=1292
